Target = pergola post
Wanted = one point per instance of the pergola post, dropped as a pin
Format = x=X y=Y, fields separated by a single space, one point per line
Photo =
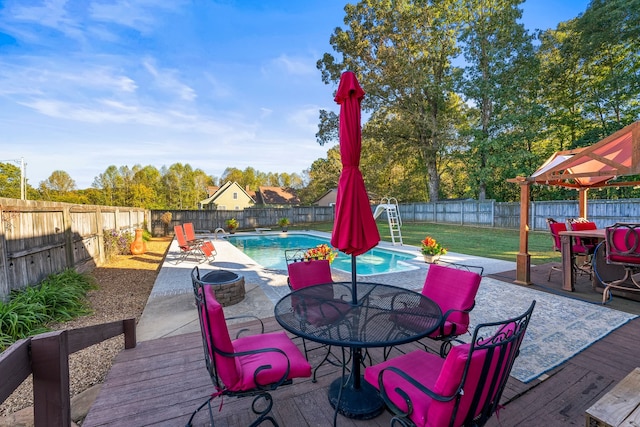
x=582 y=202
x=523 y=259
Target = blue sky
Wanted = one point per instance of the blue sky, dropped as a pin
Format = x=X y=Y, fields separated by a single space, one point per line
x=85 y=84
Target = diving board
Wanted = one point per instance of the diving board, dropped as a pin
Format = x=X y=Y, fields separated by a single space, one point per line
x=389 y=205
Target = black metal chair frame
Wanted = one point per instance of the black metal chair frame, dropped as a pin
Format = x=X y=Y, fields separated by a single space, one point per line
x=503 y=342
x=630 y=251
x=261 y=394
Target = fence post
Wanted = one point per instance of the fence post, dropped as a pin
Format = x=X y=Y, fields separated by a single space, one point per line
x=5 y=288
x=50 y=365
x=129 y=327
x=68 y=236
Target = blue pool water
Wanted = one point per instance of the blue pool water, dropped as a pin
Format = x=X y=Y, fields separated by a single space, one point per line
x=268 y=251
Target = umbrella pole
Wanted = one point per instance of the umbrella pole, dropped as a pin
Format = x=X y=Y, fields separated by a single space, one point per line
x=354 y=289
x=356 y=355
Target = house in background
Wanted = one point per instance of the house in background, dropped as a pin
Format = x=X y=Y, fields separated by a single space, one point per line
x=276 y=197
x=328 y=199
x=230 y=197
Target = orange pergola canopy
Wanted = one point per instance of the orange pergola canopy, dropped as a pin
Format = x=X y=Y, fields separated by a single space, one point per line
x=596 y=165
x=589 y=167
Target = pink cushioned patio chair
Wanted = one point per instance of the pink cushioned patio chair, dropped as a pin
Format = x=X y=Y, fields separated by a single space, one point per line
x=622 y=247
x=464 y=389
x=578 y=249
x=329 y=310
x=579 y=224
x=250 y=365
x=454 y=290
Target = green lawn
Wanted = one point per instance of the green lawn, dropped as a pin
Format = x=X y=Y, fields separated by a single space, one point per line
x=488 y=242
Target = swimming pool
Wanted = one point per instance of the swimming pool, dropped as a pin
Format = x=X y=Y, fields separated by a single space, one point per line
x=268 y=251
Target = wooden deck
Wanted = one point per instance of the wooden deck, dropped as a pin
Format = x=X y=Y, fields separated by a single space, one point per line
x=161 y=382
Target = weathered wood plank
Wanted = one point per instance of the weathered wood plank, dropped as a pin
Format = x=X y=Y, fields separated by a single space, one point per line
x=621 y=401
x=15 y=367
x=84 y=337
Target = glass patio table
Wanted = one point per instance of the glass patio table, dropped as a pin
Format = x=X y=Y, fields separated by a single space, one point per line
x=326 y=314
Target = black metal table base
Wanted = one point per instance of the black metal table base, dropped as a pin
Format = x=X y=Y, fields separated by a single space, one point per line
x=361 y=403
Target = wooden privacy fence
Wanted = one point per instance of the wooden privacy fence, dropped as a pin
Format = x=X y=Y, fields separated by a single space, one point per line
x=210 y=220
x=462 y=212
x=41 y=238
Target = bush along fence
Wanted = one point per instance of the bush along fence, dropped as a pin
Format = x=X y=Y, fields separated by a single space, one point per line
x=42 y=238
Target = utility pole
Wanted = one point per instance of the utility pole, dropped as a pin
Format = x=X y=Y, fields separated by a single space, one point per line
x=23 y=176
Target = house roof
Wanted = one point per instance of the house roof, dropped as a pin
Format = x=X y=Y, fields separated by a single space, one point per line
x=333 y=190
x=211 y=190
x=593 y=166
x=277 y=196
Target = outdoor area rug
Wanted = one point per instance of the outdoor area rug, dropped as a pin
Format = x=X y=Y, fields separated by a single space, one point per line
x=560 y=327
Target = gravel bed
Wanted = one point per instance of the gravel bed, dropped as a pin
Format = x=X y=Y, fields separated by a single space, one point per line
x=124 y=284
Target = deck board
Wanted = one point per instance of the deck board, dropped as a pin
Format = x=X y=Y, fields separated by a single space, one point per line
x=161 y=382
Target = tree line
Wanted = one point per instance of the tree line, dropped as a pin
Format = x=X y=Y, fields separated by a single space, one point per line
x=178 y=186
x=460 y=97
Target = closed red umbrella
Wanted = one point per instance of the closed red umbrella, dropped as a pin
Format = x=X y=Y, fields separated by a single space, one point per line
x=354 y=228
x=354 y=233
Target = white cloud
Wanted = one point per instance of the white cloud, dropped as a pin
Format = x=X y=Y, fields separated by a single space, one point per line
x=168 y=80
x=305 y=119
x=296 y=66
x=140 y=15
x=51 y=13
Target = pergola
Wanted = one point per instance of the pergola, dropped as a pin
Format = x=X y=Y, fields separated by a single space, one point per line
x=583 y=168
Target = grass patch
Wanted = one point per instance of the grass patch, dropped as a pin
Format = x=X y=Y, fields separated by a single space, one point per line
x=58 y=298
x=494 y=243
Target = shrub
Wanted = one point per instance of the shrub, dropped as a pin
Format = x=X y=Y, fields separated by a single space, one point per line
x=146 y=235
x=58 y=298
x=166 y=220
x=117 y=243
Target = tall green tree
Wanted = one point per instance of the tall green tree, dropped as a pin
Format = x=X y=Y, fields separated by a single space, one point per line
x=322 y=176
x=610 y=44
x=107 y=182
x=564 y=85
x=9 y=180
x=59 y=181
x=146 y=190
x=232 y=174
x=401 y=52
x=60 y=187
x=499 y=80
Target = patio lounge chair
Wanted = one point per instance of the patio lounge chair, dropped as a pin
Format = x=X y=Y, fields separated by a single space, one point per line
x=187 y=248
x=206 y=247
x=422 y=389
x=250 y=365
x=190 y=234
